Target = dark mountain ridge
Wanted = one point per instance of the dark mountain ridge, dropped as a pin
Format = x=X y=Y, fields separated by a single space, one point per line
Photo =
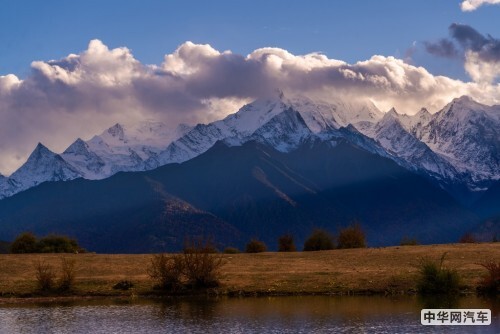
x=235 y=193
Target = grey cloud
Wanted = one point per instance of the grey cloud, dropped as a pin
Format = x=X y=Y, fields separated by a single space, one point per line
x=231 y=75
x=466 y=38
x=442 y=48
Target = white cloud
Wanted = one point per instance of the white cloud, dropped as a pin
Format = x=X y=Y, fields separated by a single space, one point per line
x=8 y=82
x=471 y=5
x=84 y=93
x=479 y=70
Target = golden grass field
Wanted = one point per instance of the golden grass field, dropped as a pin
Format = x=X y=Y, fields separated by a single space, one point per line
x=390 y=270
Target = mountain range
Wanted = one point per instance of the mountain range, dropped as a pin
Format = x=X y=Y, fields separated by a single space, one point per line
x=276 y=165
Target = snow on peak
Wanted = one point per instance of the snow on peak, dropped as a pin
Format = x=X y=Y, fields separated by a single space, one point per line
x=43 y=165
x=423 y=112
x=467 y=134
x=284 y=131
x=40 y=152
x=78 y=147
x=392 y=113
x=117 y=131
x=463 y=135
x=463 y=108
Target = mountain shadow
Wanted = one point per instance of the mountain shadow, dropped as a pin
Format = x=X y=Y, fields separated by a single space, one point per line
x=235 y=193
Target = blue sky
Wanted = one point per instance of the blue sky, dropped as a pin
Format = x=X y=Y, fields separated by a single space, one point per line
x=346 y=30
x=127 y=61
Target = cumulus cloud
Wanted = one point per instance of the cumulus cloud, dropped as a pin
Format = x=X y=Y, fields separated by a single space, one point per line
x=82 y=94
x=481 y=54
x=471 y=5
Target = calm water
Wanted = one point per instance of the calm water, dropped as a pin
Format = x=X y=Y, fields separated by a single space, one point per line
x=246 y=315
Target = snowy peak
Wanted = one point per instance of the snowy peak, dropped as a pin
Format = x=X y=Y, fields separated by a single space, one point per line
x=337 y=112
x=392 y=114
x=88 y=163
x=40 y=152
x=392 y=111
x=462 y=109
x=43 y=165
x=78 y=147
x=460 y=143
x=117 y=132
x=284 y=131
x=423 y=114
x=121 y=148
x=250 y=117
x=466 y=134
x=40 y=157
x=317 y=116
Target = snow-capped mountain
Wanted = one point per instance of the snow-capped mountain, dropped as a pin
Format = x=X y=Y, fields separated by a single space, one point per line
x=467 y=135
x=284 y=131
x=397 y=141
x=120 y=148
x=318 y=116
x=459 y=144
x=42 y=165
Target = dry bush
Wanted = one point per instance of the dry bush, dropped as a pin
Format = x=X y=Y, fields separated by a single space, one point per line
x=201 y=264
x=68 y=273
x=123 y=285
x=255 y=246
x=467 y=238
x=352 y=237
x=200 y=244
x=319 y=240
x=202 y=269
x=286 y=244
x=435 y=279
x=166 y=270
x=231 y=250
x=44 y=276
x=407 y=241
x=490 y=283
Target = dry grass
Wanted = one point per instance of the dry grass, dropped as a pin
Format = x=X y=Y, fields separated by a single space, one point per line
x=378 y=270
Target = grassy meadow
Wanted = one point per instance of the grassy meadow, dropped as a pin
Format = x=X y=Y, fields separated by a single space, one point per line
x=388 y=270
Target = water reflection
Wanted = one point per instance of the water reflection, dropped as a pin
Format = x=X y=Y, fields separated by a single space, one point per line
x=246 y=315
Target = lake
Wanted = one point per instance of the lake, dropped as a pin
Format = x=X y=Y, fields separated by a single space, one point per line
x=305 y=314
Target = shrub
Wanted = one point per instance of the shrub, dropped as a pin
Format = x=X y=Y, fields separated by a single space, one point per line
x=202 y=269
x=28 y=243
x=406 y=241
x=352 y=237
x=467 y=238
x=25 y=243
x=231 y=250
x=201 y=264
x=166 y=270
x=490 y=283
x=123 y=285
x=57 y=244
x=286 y=244
x=255 y=246
x=435 y=279
x=44 y=276
x=319 y=240
x=199 y=245
x=68 y=273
